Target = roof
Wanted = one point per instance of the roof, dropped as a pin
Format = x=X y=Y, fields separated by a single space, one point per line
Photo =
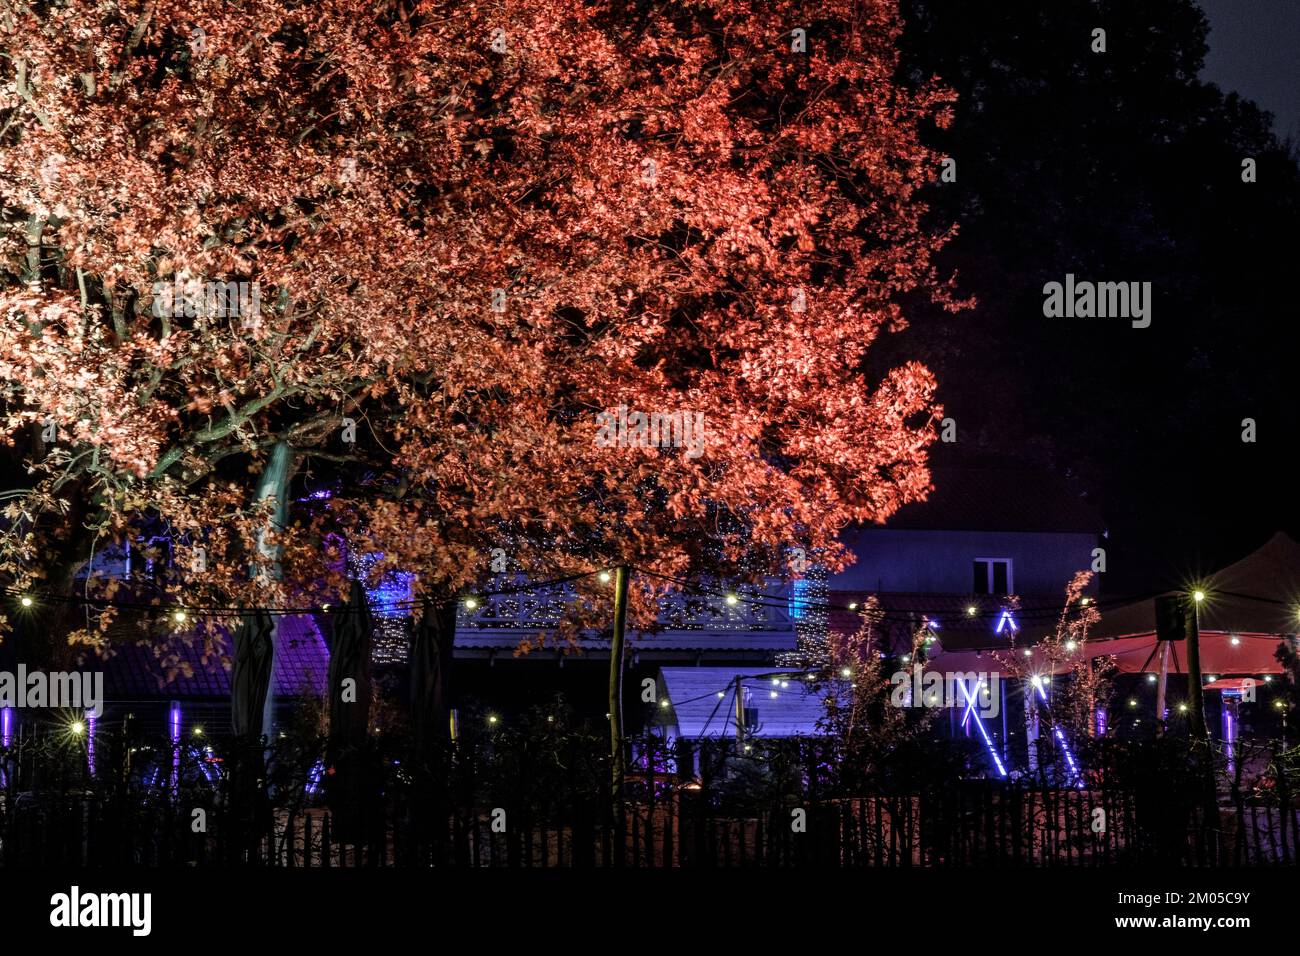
x=189 y=669
x=997 y=499
x=955 y=627
x=1256 y=595
x=510 y=639
x=784 y=705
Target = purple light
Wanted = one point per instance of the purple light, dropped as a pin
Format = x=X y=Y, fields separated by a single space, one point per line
x=1069 y=757
x=91 y=721
x=1229 y=727
x=988 y=743
x=174 y=724
x=6 y=726
x=970 y=709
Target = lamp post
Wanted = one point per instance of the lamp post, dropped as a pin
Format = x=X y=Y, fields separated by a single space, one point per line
x=618 y=765
x=1195 y=695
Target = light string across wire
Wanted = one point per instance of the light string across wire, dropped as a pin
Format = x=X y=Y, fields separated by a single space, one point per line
x=27 y=596
x=759 y=599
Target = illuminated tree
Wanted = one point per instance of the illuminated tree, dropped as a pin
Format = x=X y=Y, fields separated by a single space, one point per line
x=463 y=232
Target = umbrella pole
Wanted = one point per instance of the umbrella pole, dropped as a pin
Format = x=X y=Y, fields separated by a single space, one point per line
x=618 y=767
x=1195 y=694
x=1161 y=684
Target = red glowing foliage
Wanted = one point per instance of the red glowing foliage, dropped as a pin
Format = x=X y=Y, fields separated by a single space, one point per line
x=685 y=210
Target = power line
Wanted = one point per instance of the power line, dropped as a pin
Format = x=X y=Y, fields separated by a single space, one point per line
x=238 y=610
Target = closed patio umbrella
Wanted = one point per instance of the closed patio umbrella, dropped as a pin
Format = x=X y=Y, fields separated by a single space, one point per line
x=431 y=650
x=249 y=685
x=349 y=708
x=349 y=673
x=251 y=679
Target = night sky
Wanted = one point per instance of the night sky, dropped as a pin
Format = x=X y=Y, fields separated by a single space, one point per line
x=1120 y=165
x=1254 y=48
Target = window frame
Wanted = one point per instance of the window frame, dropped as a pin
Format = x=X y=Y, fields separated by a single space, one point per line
x=988 y=563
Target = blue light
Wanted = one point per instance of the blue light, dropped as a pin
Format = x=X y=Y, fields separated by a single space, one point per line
x=799 y=598
x=1005 y=621
x=314 y=778
x=392 y=590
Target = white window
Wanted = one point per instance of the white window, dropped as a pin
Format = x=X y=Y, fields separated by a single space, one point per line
x=992 y=576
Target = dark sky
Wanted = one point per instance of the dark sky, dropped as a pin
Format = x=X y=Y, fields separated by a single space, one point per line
x=1255 y=50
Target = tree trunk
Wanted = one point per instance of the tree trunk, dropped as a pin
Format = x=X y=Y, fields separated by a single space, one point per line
x=274 y=485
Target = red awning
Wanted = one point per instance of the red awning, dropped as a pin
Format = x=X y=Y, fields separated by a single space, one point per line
x=1231 y=683
x=1221 y=653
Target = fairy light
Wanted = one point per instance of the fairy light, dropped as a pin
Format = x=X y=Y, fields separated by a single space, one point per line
x=809 y=610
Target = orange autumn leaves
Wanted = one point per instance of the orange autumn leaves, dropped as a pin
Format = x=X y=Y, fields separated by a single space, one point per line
x=473 y=228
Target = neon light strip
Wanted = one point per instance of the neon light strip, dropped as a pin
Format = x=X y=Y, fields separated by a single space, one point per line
x=984 y=733
x=175 y=721
x=1069 y=757
x=970 y=709
x=6 y=726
